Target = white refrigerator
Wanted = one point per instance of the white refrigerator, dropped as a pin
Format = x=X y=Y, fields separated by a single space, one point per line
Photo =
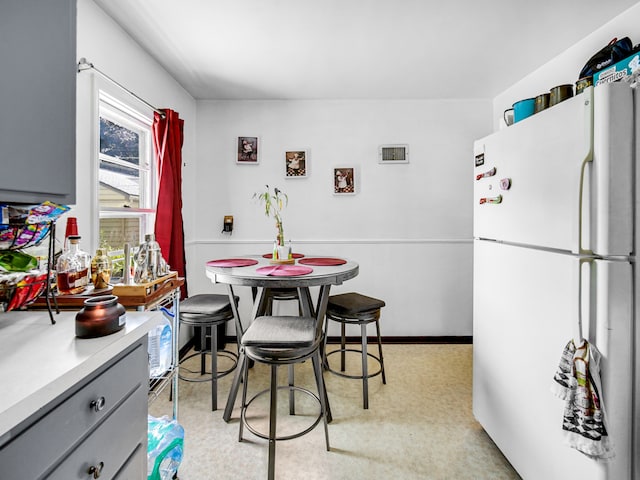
x=555 y=239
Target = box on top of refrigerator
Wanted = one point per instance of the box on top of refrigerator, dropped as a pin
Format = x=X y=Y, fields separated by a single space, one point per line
x=617 y=71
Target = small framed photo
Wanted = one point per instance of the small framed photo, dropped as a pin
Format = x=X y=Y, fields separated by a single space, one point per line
x=296 y=164
x=392 y=154
x=248 y=151
x=344 y=181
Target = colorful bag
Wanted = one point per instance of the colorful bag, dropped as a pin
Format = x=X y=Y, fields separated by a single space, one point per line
x=615 y=51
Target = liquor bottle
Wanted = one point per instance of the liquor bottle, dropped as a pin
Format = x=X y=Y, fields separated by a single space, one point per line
x=71 y=230
x=73 y=268
x=100 y=270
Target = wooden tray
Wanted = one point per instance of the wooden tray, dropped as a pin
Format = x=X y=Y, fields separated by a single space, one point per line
x=142 y=289
x=288 y=261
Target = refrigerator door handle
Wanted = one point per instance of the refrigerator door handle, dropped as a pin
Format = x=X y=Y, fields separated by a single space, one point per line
x=579 y=333
x=588 y=112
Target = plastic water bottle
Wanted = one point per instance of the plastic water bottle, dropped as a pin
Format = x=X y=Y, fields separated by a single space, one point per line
x=165 y=447
x=160 y=349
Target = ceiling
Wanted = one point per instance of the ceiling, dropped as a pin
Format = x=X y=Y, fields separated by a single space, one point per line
x=356 y=49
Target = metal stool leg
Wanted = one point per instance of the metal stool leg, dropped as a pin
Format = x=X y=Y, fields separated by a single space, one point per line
x=365 y=372
x=273 y=406
x=384 y=378
x=243 y=404
x=214 y=368
x=343 y=342
x=203 y=349
x=317 y=368
x=292 y=398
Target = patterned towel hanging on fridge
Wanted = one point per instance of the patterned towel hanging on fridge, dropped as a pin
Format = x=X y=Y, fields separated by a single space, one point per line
x=577 y=382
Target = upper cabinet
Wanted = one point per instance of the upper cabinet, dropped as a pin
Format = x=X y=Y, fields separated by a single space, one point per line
x=38 y=101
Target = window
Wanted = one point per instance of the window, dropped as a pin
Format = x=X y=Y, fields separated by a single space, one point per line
x=127 y=175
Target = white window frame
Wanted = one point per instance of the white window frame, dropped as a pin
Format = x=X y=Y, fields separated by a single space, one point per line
x=121 y=107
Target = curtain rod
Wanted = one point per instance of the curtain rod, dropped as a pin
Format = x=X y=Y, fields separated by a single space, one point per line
x=84 y=65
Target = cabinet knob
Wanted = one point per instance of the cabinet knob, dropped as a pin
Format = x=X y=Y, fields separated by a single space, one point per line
x=96 y=470
x=98 y=405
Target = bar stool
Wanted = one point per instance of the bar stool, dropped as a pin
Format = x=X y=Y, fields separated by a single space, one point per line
x=282 y=295
x=275 y=341
x=208 y=311
x=356 y=309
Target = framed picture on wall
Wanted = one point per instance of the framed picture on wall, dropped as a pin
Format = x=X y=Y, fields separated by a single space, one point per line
x=248 y=150
x=393 y=154
x=344 y=181
x=296 y=164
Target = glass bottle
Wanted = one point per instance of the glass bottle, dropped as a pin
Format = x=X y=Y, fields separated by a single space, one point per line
x=101 y=270
x=73 y=268
x=149 y=262
x=154 y=256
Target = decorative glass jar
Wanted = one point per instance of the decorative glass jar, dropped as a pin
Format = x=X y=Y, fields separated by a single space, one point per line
x=101 y=270
x=100 y=316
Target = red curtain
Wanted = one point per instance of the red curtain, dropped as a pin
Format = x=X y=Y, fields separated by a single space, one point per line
x=168 y=136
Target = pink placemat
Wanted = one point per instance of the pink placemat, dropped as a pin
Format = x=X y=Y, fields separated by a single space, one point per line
x=284 y=270
x=232 y=262
x=293 y=255
x=322 y=261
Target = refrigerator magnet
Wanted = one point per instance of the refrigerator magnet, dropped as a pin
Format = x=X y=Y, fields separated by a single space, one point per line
x=505 y=183
x=491 y=200
x=488 y=173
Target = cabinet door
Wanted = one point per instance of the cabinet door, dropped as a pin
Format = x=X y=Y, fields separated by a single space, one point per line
x=37 y=101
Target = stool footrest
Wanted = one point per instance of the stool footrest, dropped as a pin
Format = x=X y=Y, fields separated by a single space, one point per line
x=243 y=416
x=233 y=356
x=345 y=375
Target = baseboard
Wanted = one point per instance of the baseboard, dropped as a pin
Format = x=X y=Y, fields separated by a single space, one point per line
x=415 y=340
x=409 y=339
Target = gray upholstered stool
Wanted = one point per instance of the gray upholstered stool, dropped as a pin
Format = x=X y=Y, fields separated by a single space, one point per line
x=356 y=309
x=275 y=341
x=208 y=311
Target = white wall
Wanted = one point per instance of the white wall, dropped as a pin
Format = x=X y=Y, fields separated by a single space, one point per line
x=565 y=67
x=104 y=43
x=409 y=226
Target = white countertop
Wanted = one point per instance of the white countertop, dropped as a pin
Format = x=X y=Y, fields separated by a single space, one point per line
x=40 y=361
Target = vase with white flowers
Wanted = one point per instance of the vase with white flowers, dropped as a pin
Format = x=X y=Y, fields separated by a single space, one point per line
x=274 y=201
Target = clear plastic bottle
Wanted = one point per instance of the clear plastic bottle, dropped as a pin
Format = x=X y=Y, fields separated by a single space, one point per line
x=73 y=268
x=160 y=349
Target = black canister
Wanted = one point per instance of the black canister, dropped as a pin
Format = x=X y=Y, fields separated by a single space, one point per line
x=100 y=316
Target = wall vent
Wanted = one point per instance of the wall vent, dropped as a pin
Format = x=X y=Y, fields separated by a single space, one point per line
x=393 y=154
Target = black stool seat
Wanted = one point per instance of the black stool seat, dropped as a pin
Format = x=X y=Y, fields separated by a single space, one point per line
x=352 y=304
x=356 y=309
x=207 y=311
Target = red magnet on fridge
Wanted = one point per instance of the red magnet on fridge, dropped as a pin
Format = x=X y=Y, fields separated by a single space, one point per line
x=488 y=173
x=493 y=200
x=505 y=183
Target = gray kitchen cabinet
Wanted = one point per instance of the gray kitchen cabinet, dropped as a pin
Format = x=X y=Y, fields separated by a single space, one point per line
x=136 y=466
x=38 y=101
x=97 y=428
